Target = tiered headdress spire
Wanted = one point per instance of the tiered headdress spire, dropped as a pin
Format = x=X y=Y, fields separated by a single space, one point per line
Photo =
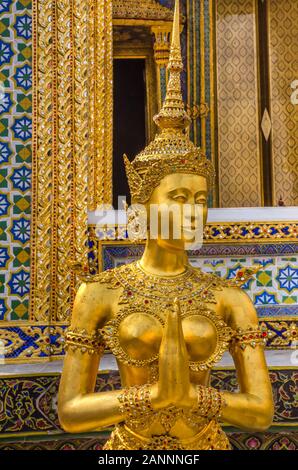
x=171 y=151
x=172 y=114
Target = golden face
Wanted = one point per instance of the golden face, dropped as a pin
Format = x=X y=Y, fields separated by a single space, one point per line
x=187 y=192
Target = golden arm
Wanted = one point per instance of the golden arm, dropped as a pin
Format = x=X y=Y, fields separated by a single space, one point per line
x=252 y=408
x=79 y=408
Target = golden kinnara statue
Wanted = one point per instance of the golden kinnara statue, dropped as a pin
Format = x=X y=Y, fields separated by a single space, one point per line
x=166 y=322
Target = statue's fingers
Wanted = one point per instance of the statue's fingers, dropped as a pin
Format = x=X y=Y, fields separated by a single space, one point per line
x=180 y=335
x=173 y=332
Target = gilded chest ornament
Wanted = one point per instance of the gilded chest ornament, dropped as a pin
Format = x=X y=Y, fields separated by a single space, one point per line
x=146 y=298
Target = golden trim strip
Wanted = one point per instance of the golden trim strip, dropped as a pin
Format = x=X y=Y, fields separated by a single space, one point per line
x=54 y=164
x=202 y=77
x=226 y=232
x=60 y=151
x=101 y=102
x=64 y=168
x=80 y=129
x=34 y=160
x=194 y=68
x=41 y=273
x=188 y=55
x=213 y=112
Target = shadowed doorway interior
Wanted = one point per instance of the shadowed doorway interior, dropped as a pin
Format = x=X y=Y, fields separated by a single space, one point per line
x=129 y=133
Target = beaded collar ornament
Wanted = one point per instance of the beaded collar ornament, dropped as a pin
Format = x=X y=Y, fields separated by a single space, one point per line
x=171 y=151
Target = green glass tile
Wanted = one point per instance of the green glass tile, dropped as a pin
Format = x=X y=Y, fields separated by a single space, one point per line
x=24 y=153
x=4 y=28
x=289 y=299
x=264 y=278
x=2 y=283
x=25 y=52
x=3 y=230
x=3 y=127
x=4 y=76
x=19 y=310
x=24 y=103
x=21 y=204
x=3 y=178
x=24 y=4
x=21 y=257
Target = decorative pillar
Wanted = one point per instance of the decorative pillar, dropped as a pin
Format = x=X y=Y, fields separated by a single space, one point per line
x=161 y=55
x=72 y=143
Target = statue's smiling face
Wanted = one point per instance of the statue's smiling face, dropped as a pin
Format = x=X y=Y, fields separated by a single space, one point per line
x=186 y=194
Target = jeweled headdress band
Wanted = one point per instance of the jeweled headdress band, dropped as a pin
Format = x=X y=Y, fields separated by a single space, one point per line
x=171 y=151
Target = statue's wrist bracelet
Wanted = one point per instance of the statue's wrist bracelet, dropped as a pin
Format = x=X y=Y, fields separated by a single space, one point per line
x=136 y=407
x=210 y=402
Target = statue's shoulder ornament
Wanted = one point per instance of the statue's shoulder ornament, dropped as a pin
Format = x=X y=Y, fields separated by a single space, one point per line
x=240 y=279
x=244 y=275
x=108 y=277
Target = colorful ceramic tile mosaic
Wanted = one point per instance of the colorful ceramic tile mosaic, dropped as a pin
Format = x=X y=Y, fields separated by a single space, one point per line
x=30 y=402
x=280 y=440
x=15 y=157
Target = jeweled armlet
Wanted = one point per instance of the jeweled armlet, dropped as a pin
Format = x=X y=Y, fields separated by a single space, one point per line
x=80 y=339
x=249 y=337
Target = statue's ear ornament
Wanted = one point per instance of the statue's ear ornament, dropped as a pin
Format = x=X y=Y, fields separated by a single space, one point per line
x=134 y=180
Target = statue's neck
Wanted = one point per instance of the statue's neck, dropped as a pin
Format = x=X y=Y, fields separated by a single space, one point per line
x=162 y=259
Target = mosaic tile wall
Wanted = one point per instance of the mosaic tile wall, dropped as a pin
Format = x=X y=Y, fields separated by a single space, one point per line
x=275 y=284
x=15 y=157
x=30 y=403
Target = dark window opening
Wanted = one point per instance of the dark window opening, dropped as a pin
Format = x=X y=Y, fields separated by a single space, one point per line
x=129 y=132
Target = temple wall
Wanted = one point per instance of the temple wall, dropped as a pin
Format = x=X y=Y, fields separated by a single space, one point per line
x=53 y=165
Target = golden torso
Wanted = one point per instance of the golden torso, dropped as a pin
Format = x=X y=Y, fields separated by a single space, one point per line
x=133 y=326
x=131 y=313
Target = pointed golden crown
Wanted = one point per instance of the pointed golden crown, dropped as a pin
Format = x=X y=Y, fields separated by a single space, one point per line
x=171 y=151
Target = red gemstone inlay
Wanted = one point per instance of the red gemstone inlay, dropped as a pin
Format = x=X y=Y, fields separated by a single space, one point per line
x=129 y=292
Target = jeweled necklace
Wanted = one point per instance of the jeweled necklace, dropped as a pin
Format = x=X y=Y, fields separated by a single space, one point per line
x=185 y=286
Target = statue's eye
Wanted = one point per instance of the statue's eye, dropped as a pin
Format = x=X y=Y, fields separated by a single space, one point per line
x=201 y=200
x=180 y=198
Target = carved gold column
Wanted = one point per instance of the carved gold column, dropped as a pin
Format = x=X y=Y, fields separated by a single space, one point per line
x=283 y=125
x=100 y=94
x=161 y=56
x=68 y=61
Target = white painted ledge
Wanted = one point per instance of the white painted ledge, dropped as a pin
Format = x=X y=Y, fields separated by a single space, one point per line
x=233 y=214
x=275 y=358
x=254 y=214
